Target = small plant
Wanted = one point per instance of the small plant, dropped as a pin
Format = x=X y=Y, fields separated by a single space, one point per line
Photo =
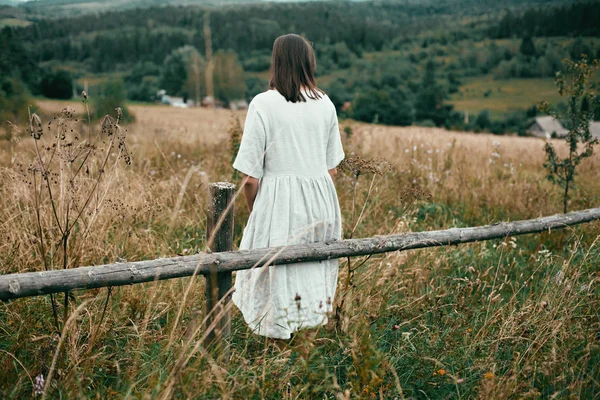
x=357 y=166
x=65 y=178
x=581 y=103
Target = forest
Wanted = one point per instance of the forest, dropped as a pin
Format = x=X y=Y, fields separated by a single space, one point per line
x=391 y=62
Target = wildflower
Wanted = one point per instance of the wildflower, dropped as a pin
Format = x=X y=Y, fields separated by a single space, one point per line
x=558 y=277
x=488 y=375
x=83 y=96
x=441 y=372
x=38 y=387
x=35 y=126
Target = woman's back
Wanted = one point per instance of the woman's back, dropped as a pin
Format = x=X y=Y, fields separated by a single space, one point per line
x=300 y=139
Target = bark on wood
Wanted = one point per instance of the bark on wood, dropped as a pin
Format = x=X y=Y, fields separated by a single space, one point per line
x=219 y=234
x=45 y=282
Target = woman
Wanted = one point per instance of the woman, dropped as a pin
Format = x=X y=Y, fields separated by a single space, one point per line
x=288 y=157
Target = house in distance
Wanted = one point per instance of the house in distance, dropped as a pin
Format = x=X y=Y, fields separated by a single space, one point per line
x=547 y=127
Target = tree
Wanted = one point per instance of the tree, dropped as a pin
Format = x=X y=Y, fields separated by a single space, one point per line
x=229 y=76
x=57 y=84
x=370 y=106
x=183 y=73
x=483 y=121
x=402 y=111
x=528 y=47
x=430 y=99
x=142 y=82
x=14 y=100
x=581 y=106
x=174 y=73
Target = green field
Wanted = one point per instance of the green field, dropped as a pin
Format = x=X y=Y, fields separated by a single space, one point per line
x=503 y=96
x=13 y=22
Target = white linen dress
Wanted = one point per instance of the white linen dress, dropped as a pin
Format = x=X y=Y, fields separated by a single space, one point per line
x=289 y=147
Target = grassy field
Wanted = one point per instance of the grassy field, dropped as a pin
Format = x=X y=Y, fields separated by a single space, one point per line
x=13 y=22
x=502 y=96
x=514 y=318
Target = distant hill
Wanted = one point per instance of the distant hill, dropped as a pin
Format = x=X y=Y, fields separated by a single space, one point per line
x=62 y=8
x=65 y=8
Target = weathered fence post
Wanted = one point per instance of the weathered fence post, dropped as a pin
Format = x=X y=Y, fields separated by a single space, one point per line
x=219 y=235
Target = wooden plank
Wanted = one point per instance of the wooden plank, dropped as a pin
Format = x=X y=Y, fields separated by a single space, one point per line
x=45 y=282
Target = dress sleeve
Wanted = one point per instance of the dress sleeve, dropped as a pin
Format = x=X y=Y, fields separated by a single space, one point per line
x=335 y=152
x=251 y=155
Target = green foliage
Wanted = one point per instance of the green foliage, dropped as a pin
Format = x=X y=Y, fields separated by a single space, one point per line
x=14 y=101
x=483 y=121
x=430 y=98
x=371 y=105
x=527 y=47
x=381 y=106
x=108 y=98
x=254 y=86
x=582 y=103
x=259 y=60
x=142 y=82
x=578 y=18
x=57 y=84
x=173 y=73
x=228 y=77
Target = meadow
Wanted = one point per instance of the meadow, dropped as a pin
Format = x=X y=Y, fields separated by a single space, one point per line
x=513 y=318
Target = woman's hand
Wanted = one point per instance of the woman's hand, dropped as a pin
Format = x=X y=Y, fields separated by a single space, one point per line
x=332 y=173
x=250 y=186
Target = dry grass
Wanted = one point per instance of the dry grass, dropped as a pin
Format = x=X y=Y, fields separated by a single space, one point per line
x=487 y=319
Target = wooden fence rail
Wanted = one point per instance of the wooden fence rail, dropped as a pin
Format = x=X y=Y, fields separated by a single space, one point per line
x=13 y=286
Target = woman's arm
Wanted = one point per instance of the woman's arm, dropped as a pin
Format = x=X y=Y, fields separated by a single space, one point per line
x=250 y=185
x=333 y=173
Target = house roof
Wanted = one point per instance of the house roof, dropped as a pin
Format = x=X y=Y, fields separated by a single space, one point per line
x=595 y=129
x=550 y=124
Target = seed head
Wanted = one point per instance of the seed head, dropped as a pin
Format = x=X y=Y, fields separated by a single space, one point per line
x=119 y=111
x=358 y=166
x=35 y=126
x=68 y=112
x=84 y=96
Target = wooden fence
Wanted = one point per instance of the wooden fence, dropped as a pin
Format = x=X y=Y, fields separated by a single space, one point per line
x=218 y=265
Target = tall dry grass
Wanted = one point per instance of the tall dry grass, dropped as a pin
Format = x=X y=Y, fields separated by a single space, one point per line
x=515 y=317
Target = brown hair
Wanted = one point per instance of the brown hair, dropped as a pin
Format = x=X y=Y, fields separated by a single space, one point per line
x=293 y=65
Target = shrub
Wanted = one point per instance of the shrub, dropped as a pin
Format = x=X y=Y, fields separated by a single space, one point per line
x=14 y=100
x=483 y=120
x=57 y=84
x=110 y=96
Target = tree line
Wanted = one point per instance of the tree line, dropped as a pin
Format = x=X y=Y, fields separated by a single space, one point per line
x=410 y=79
